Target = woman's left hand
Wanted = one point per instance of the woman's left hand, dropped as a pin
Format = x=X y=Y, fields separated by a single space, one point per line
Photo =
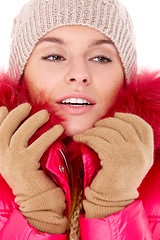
x=124 y=145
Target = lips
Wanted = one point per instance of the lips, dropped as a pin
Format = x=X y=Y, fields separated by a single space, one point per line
x=76 y=104
x=76 y=99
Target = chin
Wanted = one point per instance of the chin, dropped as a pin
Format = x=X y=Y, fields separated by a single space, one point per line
x=72 y=130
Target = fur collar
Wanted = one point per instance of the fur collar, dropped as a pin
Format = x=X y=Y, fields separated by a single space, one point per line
x=141 y=97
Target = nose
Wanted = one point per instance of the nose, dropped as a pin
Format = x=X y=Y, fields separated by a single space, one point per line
x=77 y=79
x=78 y=74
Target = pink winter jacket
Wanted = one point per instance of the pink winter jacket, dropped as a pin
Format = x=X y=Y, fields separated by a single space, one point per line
x=140 y=220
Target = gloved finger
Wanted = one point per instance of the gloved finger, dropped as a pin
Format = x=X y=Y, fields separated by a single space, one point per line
x=106 y=134
x=12 y=121
x=127 y=131
x=3 y=114
x=143 y=129
x=95 y=143
x=28 y=128
x=38 y=147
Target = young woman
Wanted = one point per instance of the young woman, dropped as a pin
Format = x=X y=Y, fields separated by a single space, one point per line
x=77 y=124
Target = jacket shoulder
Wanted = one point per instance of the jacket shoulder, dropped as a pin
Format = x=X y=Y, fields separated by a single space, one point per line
x=7 y=204
x=149 y=191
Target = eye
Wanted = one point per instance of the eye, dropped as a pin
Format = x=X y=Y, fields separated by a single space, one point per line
x=53 y=57
x=102 y=59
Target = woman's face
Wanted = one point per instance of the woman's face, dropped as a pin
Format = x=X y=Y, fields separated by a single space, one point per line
x=78 y=71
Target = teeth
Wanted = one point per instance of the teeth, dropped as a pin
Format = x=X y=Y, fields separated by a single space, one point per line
x=76 y=101
x=73 y=100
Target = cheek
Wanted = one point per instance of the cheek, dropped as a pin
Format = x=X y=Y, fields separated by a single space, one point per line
x=41 y=84
x=108 y=94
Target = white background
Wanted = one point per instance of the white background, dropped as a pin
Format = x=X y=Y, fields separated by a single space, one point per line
x=145 y=15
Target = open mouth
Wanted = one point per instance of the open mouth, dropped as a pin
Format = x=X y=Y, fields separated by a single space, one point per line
x=76 y=102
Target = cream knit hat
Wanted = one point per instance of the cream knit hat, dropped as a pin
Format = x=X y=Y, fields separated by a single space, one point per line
x=38 y=17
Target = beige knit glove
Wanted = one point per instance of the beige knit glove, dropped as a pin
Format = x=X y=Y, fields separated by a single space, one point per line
x=38 y=197
x=125 y=147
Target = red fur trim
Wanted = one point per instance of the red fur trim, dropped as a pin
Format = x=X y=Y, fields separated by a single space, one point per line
x=13 y=94
x=143 y=99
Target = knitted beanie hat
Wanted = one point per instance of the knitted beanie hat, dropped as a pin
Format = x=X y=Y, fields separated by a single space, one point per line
x=38 y=17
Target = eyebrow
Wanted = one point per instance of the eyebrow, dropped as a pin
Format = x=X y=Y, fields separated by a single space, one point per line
x=52 y=40
x=61 y=42
x=100 y=42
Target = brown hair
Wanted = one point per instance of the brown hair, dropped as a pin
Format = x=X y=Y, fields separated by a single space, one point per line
x=76 y=176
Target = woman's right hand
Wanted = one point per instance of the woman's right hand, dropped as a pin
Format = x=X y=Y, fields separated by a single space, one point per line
x=20 y=167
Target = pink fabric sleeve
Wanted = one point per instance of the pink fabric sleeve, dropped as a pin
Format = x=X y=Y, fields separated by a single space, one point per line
x=130 y=223
x=17 y=228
